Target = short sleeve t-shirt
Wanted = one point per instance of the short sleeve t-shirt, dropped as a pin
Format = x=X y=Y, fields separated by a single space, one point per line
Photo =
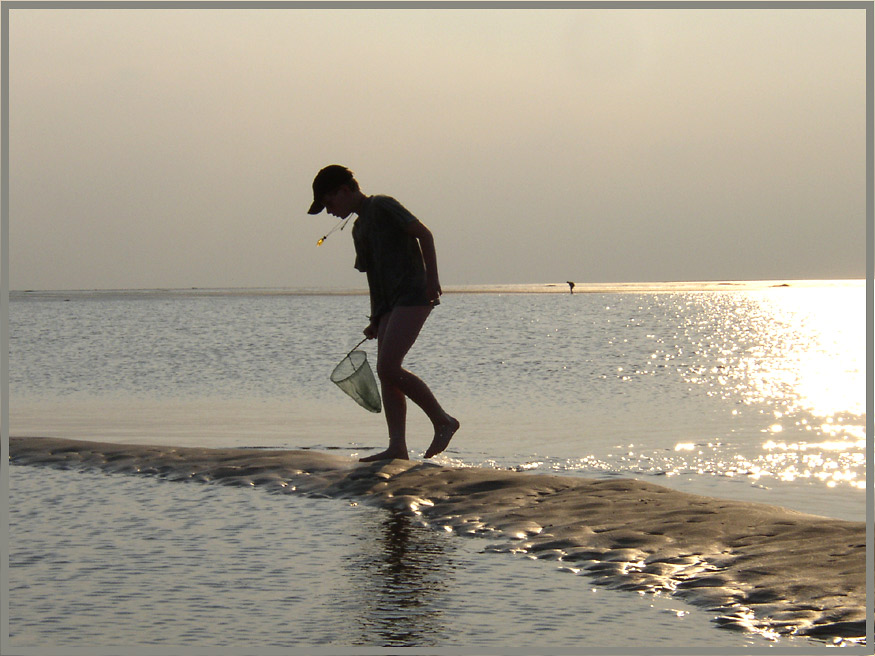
x=389 y=256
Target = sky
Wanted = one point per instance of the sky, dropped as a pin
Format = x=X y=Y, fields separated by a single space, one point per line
x=159 y=148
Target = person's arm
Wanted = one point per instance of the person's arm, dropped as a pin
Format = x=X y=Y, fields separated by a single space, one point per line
x=429 y=256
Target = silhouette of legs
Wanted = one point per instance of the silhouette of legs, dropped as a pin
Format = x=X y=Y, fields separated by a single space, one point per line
x=398 y=330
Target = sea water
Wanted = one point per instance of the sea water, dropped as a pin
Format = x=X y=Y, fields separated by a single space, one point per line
x=754 y=392
x=103 y=560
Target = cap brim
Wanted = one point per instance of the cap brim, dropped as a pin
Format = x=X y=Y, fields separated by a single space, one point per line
x=316 y=208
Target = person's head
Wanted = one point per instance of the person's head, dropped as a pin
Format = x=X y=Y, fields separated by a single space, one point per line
x=335 y=189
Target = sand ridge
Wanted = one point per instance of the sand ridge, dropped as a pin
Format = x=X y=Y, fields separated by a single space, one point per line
x=759 y=568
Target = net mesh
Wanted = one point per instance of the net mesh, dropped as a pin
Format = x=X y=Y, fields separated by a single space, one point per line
x=354 y=376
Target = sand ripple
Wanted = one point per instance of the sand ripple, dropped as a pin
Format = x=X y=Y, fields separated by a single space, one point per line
x=757 y=567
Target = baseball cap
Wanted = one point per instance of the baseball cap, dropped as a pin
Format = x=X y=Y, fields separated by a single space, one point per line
x=326 y=181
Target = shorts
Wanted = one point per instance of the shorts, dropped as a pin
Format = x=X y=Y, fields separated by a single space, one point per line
x=414 y=298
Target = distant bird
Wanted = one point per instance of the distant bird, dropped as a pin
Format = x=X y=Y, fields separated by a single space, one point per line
x=571 y=286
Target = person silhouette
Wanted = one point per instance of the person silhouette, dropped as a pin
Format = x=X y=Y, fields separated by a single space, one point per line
x=397 y=253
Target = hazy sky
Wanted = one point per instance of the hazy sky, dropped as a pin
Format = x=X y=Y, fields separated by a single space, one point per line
x=176 y=148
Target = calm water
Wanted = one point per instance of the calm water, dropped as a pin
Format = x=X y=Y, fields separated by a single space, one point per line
x=755 y=394
x=750 y=393
x=109 y=560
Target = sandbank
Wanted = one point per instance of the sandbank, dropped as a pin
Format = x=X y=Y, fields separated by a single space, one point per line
x=757 y=567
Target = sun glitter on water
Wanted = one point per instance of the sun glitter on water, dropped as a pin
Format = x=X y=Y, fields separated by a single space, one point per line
x=806 y=360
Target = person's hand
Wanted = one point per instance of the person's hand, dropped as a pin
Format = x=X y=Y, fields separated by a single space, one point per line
x=371 y=331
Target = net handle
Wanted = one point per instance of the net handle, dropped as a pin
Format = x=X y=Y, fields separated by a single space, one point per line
x=357 y=345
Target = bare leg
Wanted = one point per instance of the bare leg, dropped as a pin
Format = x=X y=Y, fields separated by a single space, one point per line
x=397 y=333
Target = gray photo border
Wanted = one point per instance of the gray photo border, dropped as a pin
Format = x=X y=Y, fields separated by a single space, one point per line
x=16 y=5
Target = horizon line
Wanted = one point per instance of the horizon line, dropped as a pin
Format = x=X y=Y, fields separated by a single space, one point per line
x=519 y=287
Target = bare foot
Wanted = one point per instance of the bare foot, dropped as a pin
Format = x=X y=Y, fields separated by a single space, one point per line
x=442 y=436
x=388 y=454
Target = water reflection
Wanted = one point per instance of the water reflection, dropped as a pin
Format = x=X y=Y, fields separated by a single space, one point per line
x=817 y=359
x=399 y=582
x=802 y=351
x=796 y=358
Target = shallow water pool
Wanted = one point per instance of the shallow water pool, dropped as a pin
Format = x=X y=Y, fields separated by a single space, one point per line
x=101 y=560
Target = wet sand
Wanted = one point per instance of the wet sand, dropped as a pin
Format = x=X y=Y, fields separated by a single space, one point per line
x=759 y=568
